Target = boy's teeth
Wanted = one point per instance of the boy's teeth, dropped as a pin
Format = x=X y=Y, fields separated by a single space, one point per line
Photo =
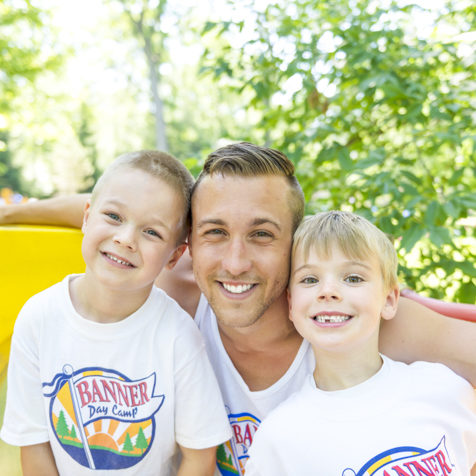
x=326 y=318
x=237 y=289
x=117 y=260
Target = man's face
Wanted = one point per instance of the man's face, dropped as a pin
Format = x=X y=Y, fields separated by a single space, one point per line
x=240 y=244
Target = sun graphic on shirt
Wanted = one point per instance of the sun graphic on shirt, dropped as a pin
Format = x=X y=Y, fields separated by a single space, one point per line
x=102 y=419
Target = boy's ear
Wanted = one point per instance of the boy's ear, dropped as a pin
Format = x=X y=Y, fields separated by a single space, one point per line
x=189 y=241
x=176 y=254
x=87 y=209
x=390 y=306
x=288 y=295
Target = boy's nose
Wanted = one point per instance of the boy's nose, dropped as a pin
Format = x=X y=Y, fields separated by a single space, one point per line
x=125 y=236
x=328 y=292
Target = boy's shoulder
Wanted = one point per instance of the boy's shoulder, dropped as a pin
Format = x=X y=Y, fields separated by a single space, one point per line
x=52 y=294
x=430 y=378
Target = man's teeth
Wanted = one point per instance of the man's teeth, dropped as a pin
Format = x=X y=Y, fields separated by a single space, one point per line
x=237 y=289
x=326 y=318
x=117 y=260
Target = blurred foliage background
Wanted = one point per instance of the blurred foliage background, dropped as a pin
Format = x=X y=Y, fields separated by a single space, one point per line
x=374 y=101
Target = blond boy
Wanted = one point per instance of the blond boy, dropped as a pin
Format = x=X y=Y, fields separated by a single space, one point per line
x=107 y=374
x=360 y=413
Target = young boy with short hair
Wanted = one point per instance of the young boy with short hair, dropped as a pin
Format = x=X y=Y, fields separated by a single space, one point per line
x=107 y=374
x=360 y=413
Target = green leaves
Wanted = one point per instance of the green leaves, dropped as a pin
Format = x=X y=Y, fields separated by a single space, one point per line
x=382 y=125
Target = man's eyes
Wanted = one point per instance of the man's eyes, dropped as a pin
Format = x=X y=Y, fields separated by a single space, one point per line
x=214 y=231
x=262 y=234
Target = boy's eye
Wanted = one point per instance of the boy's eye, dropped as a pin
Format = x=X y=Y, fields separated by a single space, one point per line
x=309 y=280
x=152 y=233
x=353 y=279
x=113 y=216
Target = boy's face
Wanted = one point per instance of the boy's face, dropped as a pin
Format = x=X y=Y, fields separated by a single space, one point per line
x=336 y=302
x=131 y=231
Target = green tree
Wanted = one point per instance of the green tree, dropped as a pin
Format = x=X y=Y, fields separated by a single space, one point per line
x=377 y=115
x=146 y=19
x=21 y=55
x=73 y=434
x=61 y=426
x=128 y=444
x=141 y=440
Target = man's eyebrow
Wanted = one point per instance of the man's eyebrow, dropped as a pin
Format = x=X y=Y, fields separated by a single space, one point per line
x=265 y=221
x=220 y=222
x=210 y=221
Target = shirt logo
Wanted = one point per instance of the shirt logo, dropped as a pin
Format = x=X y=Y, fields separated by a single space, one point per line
x=101 y=418
x=232 y=455
x=408 y=461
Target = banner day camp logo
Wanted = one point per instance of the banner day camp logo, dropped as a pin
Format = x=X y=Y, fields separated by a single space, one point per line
x=101 y=418
x=408 y=461
x=232 y=455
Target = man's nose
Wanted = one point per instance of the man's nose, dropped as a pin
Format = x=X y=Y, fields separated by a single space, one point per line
x=236 y=259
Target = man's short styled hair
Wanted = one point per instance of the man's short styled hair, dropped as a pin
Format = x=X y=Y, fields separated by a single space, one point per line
x=248 y=160
x=354 y=235
x=159 y=165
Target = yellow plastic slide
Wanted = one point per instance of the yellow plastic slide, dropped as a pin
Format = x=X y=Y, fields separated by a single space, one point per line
x=34 y=257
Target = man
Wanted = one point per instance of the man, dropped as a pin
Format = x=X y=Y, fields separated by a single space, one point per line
x=246 y=205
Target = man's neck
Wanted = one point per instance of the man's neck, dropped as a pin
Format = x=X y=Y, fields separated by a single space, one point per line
x=264 y=351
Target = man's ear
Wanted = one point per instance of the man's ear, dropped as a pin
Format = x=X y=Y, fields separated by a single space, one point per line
x=176 y=254
x=390 y=306
x=87 y=209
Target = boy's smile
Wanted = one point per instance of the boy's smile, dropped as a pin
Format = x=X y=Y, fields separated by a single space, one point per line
x=130 y=233
x=336 y=302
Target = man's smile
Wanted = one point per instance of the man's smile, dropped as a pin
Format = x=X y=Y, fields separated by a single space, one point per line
x=237 y=288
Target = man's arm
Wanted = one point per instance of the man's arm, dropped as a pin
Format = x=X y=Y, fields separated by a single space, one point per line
x=418 y=333
x=61 y=211
x=38 y=460
x=197 y=462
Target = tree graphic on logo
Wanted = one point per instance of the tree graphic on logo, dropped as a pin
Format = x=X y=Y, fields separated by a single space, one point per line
x=141 y=441
x=73 y=433
x=62 y=427
x=128 y=444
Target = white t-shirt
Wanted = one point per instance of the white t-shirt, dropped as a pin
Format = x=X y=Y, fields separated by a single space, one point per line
x=114 y=397
x=245 y=408
x=407 y=420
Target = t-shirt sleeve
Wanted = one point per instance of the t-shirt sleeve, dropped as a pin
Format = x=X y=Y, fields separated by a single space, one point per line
x=200 y=417
x=24 y=419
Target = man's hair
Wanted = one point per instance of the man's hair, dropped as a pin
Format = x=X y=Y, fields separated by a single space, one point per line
x=248 y=160
x=160 y=165
x=354 y=235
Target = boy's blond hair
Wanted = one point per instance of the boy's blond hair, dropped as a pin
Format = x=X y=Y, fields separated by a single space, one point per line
x=354 y=235
x=160 y=165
